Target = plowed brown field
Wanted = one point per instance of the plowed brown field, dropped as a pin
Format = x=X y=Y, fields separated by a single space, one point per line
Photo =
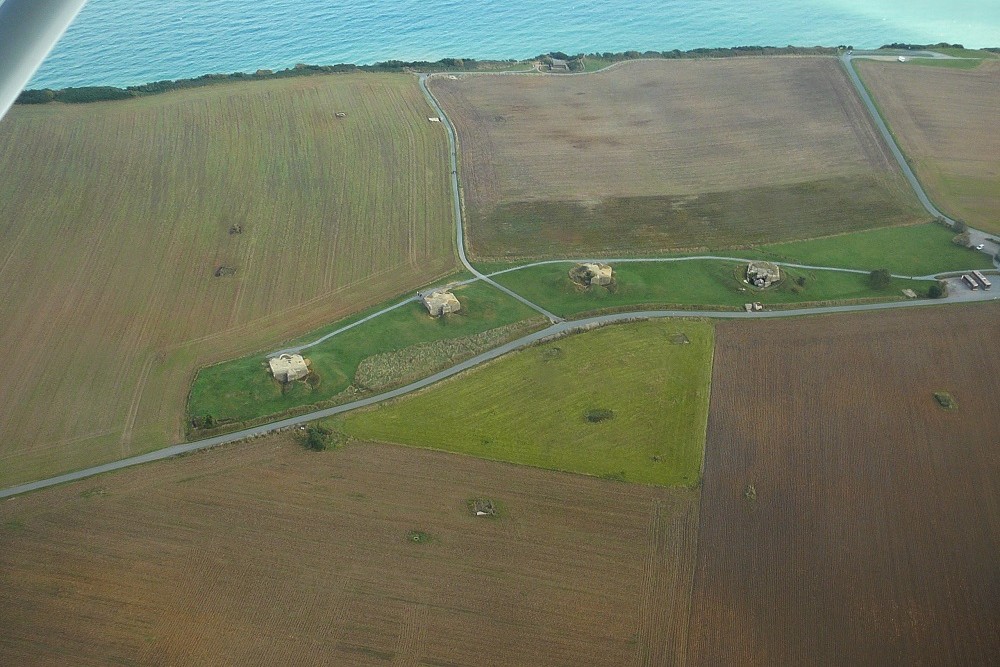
x=659 y=155
x=874 y=535
x=264 y=553
x=945 y=120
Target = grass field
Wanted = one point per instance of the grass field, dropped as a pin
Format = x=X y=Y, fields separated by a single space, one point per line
x=915 y=250
x=871 y=533
x=115 y=217
x=705 y=153
x=267 y=553
x=690 y=283
x=243 y=389
x=944 y=121
x=532 y=407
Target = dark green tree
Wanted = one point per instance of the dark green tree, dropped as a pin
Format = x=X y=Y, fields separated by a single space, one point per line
x=880 y=279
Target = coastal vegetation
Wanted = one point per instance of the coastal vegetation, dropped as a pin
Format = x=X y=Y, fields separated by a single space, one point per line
x=117 y=219
x=83 y=94
x=647 y=382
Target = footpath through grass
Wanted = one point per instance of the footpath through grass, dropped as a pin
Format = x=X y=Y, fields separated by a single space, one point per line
x=243 y=390
x=708 y=283
x=626 y=402
x=912 y=250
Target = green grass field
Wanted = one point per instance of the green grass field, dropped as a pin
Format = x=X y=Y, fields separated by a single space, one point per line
x=115 y=217
x=916 y=250
x=243 y=389
x=687 y=284
x=531 y=407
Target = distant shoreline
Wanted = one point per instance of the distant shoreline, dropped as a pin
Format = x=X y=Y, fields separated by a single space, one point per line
x=85 y=94
x=567 y=63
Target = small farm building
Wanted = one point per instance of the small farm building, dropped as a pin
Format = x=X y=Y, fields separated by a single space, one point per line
x=288 y=367
x=440 y=302
x=763 y=274
x=592 y=273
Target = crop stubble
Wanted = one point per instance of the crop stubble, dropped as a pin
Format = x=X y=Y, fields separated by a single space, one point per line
x=874 y=532
x=652 y=156
x=267 y=553
x=945 y=122
x=114 y=217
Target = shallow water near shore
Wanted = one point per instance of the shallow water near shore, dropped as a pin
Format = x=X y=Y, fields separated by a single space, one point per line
x=125 y=42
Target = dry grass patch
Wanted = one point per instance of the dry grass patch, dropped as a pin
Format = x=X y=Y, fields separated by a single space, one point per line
x=945 y=121
x=659 y=155
x=116 y=216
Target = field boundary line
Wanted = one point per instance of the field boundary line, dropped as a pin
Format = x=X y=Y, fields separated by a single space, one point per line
x=457 y=204
x=133 y=408
x=647 y=585
x=552 y=332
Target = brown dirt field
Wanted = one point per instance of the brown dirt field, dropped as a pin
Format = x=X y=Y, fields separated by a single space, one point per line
x=265 y=553
x=700 y=141
x=875 y=531
x=115 y=216
x=945 y=121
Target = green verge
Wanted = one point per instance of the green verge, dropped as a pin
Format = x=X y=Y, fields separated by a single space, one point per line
x=965 y=53
x=964 y=63
x=243 y=390
x=915 y=250
x=531 y=407
x=912 y=250
x=710 y=283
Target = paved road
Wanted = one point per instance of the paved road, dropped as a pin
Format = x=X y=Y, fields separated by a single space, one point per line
x=975 y=235
x=558 y=328
x=554 y=331
x=456 y=198
x=890 y=141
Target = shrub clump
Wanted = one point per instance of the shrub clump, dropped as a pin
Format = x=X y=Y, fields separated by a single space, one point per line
x=319 y=438
x=945 y=400
x=595 y=415
x=880 y=279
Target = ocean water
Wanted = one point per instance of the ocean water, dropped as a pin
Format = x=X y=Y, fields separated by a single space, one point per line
x=124 y=42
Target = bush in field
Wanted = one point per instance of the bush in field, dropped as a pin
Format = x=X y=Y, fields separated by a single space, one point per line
x=961 y=239
x=595 y=415
x=319 y=438
x=937 y=290
x=880 y=279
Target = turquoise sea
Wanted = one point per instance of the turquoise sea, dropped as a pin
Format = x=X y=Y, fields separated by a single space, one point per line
x=123 y=42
